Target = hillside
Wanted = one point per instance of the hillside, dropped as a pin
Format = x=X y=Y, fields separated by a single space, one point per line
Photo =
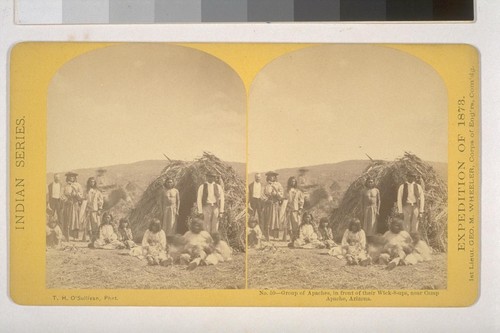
x=344 y=173
x=138 y=173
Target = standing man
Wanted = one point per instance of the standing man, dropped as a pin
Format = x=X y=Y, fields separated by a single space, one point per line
x=255 y=198
x=411 y=202
x=169 y=202
x=54 y=198
x=93 y=208
x=211 y=202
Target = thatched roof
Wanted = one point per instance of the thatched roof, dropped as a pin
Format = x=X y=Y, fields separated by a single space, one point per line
x=188 y=176
x=388 y=176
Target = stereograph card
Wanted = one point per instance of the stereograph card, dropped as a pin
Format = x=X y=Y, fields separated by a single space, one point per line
x=217 y=174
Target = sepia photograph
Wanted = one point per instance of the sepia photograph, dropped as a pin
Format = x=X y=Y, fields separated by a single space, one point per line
x=348 y=171
x=146 y=164
x=245 y=174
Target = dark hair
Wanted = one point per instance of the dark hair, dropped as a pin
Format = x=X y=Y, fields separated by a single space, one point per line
x=155 y=223
x=354 y=222
x=398 y=220
x=368 y=179
x=290 y=184
x=196 y=221
x=323 y=220
x=89 y=186
x=107 y=214
x=304 y=218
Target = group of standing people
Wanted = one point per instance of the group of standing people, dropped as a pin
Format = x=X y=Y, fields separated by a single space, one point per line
x=273 y=209
x=410 y=203
x=72 y=211
x=209 y=204
x=78 y=211
x=280 y=209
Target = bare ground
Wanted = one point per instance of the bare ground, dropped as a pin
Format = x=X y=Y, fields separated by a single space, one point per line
x=78 y=267
x=284 y=268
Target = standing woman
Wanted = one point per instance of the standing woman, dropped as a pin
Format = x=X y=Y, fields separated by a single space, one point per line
x=95 y=201
x=72 y=198
x=295 y=203
x=272 y=196
x=169 y=202
x=371 y=207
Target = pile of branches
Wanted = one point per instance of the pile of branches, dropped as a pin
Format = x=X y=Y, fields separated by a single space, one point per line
x=388 y=176
x=188 y=176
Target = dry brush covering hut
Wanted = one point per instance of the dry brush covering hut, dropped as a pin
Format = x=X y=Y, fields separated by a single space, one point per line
x=188 y=176
x=388 y=176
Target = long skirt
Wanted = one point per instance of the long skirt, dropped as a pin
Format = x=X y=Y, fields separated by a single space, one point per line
x=271 y=217
x=169 y=220
x=71 y=218
x=370 y=220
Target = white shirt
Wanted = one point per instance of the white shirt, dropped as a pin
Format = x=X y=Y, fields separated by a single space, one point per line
x=211 y=199
x=257 y=190
x=56 y=190
x=412 y=199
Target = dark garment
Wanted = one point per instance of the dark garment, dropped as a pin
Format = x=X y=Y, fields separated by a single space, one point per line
x=257 y=206
x=56 y=206
x=205 y=193
x=416 y=192
x=253 y=240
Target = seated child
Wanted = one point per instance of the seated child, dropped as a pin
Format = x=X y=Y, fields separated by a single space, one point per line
x=198 y=244
x=125 y=234
x=354 y=244
x=398 y=244
x=154 y=245
x=221 y=252
x=421 y=251
x=108 y=239
x=325 y=233
x=53 y=233
x=254 y=233
x=307 y=237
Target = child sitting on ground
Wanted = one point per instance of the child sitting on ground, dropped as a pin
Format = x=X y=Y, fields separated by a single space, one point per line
x=108 y=239
x=125 y=234
x=421 y=251
x=398 y=244
x=154 y=245
x=353 y=246
x=325 y=234
x=254 y=233
x=53 y=233
x=307 y=237
x=199 y=244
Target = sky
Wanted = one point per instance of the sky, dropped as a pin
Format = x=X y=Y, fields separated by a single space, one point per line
x=134 y=102
x=332 y=103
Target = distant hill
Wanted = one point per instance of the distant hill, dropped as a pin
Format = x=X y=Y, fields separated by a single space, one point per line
x=140 y=174
x=344 y=173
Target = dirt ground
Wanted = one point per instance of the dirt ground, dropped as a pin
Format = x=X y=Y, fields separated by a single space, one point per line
x=284 y=268
x=78 y=267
